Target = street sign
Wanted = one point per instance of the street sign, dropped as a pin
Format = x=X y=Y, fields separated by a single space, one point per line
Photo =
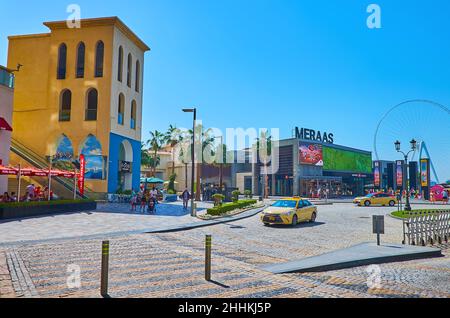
x=378 y=226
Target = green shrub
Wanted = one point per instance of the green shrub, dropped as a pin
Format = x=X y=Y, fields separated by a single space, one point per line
x=218 y=199
x=406 y=214
x=235 y=195
x=219 y=210
x=171 y=186
x=41 y=203
x=248 y=194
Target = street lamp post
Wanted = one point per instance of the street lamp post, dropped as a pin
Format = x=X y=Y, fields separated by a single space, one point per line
x=413 y=148
x=194 y=111
x=221 y=164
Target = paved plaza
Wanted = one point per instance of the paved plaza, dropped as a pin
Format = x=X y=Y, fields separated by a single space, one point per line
x=172 y=264
x=109 y=219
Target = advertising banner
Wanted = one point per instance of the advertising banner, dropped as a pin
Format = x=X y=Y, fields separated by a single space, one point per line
x=399 y=172
x=377 y=174
x=311 y=154
x=425 y=172
x=82 y=172
x=346 y=161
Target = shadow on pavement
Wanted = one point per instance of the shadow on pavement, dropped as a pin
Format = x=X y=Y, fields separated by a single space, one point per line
x=219 y=284
x=162 y=209
x=298 y=226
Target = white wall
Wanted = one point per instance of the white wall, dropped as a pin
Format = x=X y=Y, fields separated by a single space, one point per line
x=121 y=87
x=240 y=178
x=6 y=105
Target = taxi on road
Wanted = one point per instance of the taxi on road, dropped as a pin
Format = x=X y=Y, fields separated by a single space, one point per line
x=289 y=211
x=376 y=199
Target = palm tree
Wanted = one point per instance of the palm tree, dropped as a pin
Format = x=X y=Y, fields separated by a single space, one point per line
x=207 y=140
x=154 y=162
x=145 y=157
x=182 y=139
x=173 y=138
x=264 y=142
x=221 y=162
x=155 y=142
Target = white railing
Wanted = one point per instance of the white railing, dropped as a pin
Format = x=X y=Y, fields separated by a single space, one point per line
x=432 y=227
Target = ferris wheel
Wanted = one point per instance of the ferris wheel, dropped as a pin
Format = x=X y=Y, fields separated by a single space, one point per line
x=425 y=121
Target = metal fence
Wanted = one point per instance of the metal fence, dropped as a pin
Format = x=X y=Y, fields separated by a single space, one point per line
x=430 y=228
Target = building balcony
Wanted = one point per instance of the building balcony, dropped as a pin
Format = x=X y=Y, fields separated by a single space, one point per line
x=6 y=78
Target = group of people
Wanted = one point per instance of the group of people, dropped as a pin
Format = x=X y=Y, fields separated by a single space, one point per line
x=145 y=201
x=7 y=198
x=445 y=195
x=415 y=194
x=32 y=193
x=319 y=193
x=35 y=193
x=210 y=190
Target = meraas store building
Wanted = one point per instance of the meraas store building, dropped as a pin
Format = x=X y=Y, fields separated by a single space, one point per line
x=311 y=163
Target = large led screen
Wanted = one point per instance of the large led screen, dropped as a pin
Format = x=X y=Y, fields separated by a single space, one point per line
x=311 y=154
x=345 y=160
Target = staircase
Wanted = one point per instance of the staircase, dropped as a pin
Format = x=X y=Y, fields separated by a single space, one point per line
x=61 y=186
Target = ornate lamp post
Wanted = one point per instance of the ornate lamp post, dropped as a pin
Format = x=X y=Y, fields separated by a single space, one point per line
x=413 y=148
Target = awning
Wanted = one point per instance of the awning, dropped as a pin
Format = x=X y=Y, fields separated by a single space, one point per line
x=151 y=180
x=8 y=171
x=34 y=172
x=4 y=125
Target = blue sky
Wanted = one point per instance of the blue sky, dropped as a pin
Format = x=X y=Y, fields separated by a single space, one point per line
x=257 y=63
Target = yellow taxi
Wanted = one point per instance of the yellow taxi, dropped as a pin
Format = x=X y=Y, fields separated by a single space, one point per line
x=289 y=211
x=376 y=199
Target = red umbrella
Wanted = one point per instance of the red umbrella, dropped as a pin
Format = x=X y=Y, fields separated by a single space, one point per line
x=33 y=172
x=8 y=171
x=61 y=173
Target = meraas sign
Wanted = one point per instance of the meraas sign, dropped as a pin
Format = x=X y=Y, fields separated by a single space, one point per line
x=313 y=135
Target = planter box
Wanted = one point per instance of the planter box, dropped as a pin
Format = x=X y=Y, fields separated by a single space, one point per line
x=13 y=212
x=171 y=198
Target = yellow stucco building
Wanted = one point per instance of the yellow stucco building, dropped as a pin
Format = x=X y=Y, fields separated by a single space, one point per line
x=80 y=91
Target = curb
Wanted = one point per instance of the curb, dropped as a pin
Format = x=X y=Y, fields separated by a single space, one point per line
x=396 y=217
x=228 y=216
x=180 y=228
x=334 y=261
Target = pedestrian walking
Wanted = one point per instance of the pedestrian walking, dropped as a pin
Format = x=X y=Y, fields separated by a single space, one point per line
x=133 y=202
x=143 y=202
x=185 y=196
x=30 y=192
x=445 y=197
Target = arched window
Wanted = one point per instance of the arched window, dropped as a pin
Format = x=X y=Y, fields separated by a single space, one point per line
x=62 y=61
x=91 y=104
x=121 y=110
x=138 y=76
x=120 y=65
x=129 y=67
x=65 y=105
x=80 y=60
x=99 y=57
x=133 y=115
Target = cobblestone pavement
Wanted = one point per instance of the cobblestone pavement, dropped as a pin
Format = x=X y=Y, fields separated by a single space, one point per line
x=172 y=264
x=108 y=218
x=6 y=286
